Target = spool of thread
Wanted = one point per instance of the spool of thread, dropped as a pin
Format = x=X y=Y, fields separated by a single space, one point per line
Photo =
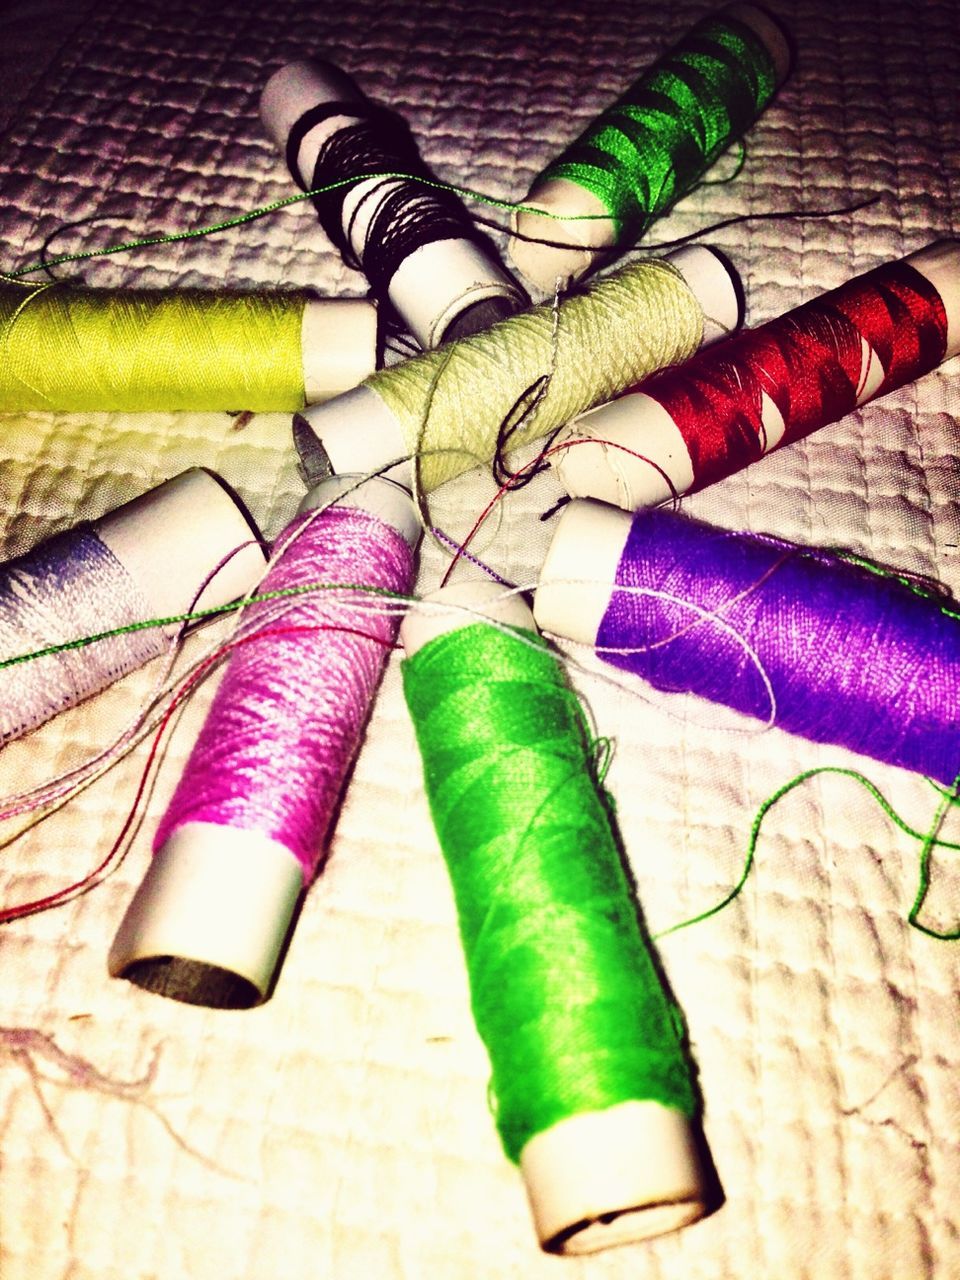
x=417 y=245
x=765 y=387
x=245 y=830
x=70 y=350
x=185 y=544
x=817 y=645
x=652 y=146
x=591 y=1087
x=447 y=408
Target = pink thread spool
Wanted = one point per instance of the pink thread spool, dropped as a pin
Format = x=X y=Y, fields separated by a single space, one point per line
x=243 y=836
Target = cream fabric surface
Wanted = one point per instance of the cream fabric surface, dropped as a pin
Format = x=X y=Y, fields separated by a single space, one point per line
x=341 y=1130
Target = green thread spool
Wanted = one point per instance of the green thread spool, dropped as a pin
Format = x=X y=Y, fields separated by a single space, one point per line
x=68 y=349
x=592 y=1088
x=446 y=407
x=652 y=146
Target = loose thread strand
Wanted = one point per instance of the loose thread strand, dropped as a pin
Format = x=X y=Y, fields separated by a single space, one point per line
x=929 y=841
x=507 y=206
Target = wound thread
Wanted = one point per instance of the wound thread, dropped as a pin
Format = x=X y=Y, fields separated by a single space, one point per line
x=185 y=542
x=450 y=405
x=67 y=349
x=381 y=207
x=651 y=147
x=727 y=406
x=809 y=363
x=818 y=646
x=564 y=988
x=63 y=589
x=406 y=215
x=288 y=717
x=655 y=143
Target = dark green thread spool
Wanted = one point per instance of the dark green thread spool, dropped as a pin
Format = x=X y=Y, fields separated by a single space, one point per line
x=652 y=146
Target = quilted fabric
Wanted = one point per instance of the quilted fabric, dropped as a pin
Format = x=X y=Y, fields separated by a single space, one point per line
x=341 y=1129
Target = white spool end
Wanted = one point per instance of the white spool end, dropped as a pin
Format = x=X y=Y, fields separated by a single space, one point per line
x=629 y=452
x=210 y=918
x=338 y=341
x=566 y=214
x=461 y=605
x=171 y=539
x=612 y=1177
x=294 y=89
x=940 y=264
x=441 y=281
x=580 y=570
x=770 y=34
x=389 y=501
x=715 y=285
x=361 y=436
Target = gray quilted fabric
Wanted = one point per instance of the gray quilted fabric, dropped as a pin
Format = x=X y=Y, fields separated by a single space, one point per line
x=341 y=1130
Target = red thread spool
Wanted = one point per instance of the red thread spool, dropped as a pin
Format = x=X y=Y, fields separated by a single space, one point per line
x=726 y=407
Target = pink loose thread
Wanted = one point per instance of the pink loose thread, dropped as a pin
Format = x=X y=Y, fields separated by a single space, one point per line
x=288 y=717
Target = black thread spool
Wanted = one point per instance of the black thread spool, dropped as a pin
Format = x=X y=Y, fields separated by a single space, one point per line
x=417 y=245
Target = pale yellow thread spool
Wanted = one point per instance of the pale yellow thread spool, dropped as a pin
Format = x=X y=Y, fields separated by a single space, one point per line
x=446 y=407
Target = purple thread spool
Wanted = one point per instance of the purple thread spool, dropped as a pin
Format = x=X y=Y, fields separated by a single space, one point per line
x=817 y=645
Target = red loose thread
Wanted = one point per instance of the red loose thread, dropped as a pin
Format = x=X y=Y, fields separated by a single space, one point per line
x=808 y=362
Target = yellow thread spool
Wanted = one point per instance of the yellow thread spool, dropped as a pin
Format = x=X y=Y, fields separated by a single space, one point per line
x=70 y=350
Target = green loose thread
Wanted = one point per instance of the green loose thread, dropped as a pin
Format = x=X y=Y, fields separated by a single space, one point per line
x=263 y=211
x=926 y=589
x=565 y=991
x=466 y=193
x=651 y=147
x=201 y=615
x=929 y=841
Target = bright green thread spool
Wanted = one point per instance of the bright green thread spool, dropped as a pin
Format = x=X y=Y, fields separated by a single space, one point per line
x=75 y=350
x=655 y=143
x=565 y=991
x=446 y=407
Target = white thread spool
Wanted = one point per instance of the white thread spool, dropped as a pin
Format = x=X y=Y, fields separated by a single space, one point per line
x=167 y=543
x=435 y=287
x=563 y=200
x=209 y=921
x=604 y=469
x=171 y=539
x=600 y=1178
x=360 y=434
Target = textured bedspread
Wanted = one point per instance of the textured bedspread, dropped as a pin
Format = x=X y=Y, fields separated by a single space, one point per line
x=341 y=1130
